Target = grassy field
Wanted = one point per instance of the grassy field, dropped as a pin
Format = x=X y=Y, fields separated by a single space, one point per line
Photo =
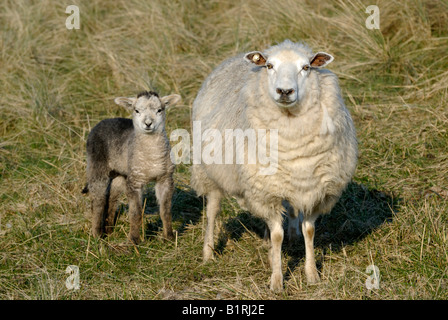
x=56 y=84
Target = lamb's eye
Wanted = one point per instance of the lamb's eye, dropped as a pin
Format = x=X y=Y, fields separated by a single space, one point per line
x=269 y=65
x=160 y=110
x=136 y=111
x=306 y=67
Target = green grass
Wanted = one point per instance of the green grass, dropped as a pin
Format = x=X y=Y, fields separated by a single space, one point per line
x=57 y=84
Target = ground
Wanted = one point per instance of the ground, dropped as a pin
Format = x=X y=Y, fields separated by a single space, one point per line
x=58 y=83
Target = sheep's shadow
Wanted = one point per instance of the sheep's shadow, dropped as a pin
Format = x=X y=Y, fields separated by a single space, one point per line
x=186 y=209
x=357 y=214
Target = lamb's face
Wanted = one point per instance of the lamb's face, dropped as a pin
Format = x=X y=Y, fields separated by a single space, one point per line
x=148 y=115
x=148 y=111
x=287 y=73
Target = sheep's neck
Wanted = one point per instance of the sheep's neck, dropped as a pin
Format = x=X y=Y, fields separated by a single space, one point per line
x=154 y=141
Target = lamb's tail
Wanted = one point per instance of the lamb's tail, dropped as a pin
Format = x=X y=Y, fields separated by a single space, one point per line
x=86 y=189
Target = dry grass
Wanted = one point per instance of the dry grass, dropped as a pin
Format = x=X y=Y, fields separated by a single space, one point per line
x=57 y=83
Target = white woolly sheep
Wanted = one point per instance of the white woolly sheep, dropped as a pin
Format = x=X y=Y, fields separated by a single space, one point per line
x=282 y=88
x=124 y=155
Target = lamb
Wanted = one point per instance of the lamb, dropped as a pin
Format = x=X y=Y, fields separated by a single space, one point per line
x=286 y=90
x=123 y=155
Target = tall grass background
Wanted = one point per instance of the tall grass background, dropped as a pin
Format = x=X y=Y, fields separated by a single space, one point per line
x=56 y=84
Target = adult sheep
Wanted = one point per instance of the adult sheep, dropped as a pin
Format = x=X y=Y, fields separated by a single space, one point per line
x=284 y=89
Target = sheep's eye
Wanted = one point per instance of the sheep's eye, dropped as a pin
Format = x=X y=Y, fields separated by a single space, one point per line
x=269 y=65
x=160 y=110
x=306 y=67
x=136 y=111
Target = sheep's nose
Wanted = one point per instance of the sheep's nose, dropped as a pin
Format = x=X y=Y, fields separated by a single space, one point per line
x=284 y=92
x=148 y=123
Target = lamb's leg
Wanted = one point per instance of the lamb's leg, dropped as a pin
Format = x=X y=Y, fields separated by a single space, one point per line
x=117 y=187
x=275 y=253
x=135 y=213
x=99 y=195
x=213 y=208
x=164 y=194
x=308 y=233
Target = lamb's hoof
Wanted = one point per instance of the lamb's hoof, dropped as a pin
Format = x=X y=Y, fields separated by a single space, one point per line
x=277 y=283
x=169 y=236
x=135 y=239
x=97 y=232
x=108 y=230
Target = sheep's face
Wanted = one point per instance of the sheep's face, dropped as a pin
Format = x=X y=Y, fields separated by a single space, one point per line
x=148 y=110
x=287 y=73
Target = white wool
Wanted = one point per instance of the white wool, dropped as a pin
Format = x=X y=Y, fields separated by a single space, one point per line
x=327 y=126
x=317 y=147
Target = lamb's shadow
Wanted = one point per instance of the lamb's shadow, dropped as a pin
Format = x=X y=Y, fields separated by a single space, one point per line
x=357 y=214
x=186 y=209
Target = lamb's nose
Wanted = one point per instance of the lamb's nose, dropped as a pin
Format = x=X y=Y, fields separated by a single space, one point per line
x=148 y=123
x=284 y=92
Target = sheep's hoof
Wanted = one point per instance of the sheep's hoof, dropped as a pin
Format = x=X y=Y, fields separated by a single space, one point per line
x=208 y=255
x=312 y=277
x=277 y=282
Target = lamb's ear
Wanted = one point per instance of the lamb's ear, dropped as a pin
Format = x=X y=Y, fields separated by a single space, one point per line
x=170 y=100
x=256 y=57
x=321 y=59
x=127 y=103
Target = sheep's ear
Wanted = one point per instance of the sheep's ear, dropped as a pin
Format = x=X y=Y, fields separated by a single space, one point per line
x=170 y=100
x=321 y=59
x=127 y=103
x=256 y=57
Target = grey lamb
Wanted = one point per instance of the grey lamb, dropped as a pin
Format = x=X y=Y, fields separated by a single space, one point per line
x=123 y=155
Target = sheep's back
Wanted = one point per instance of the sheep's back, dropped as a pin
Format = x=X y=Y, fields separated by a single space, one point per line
x=108 y=142
x=218 y=103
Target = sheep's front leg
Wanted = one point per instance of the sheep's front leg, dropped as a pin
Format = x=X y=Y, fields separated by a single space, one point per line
x=135 y=213
x=275 y=253
x=164 y=194
x=308 y=233
x=213 y=208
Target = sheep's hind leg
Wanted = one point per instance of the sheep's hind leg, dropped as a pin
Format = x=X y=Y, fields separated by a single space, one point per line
x=117 y=187
x=99 y=191
x=294 y=218
x=164 y=194
x=212 y=210
x=308 y=233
